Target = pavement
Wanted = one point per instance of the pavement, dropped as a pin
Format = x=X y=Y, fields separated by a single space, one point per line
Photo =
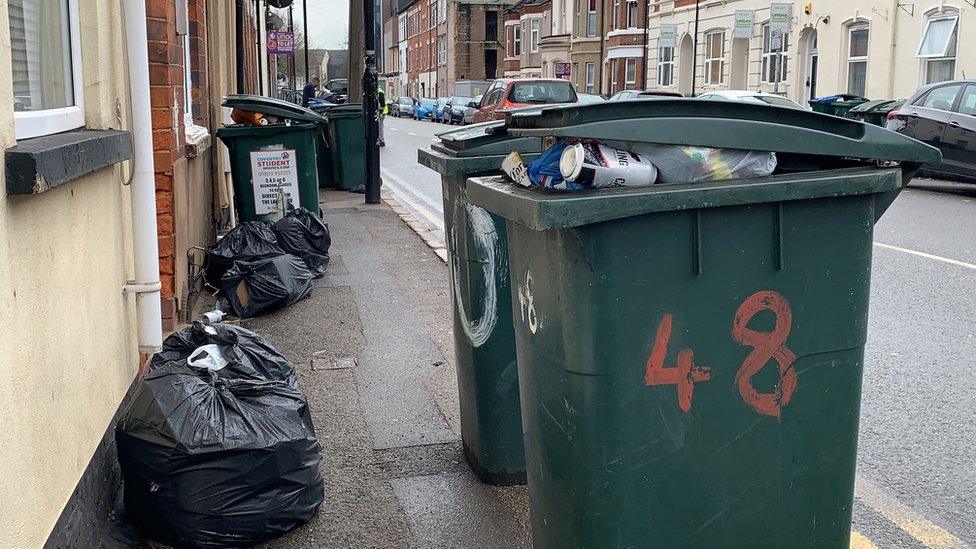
x=917 y=441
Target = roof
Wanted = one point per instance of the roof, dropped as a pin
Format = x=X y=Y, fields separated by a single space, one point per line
x=518 y=6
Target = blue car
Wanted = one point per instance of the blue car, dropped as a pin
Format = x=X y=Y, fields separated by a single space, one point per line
x=439 y=108
x=424 y=109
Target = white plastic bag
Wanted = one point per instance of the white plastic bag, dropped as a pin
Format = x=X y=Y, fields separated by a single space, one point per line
x=685 y=164
x=207 y=356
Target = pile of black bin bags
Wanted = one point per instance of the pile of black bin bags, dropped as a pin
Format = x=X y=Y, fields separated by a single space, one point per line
x=261 y=267
x=219 y=458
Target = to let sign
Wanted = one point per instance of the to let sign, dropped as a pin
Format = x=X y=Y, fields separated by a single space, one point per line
x=562 y=69
x=669 y=35
x=274 y=173
x=744 y=20
x=779 y=18
x=281 y=42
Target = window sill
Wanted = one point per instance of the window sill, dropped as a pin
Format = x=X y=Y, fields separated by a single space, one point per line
x=40 y=164
x=197 y=140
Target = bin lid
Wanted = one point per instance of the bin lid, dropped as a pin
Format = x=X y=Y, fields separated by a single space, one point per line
x=345 y=110
x=484 y=139
x=723 y=124
x=869 y=105
x=273 y=107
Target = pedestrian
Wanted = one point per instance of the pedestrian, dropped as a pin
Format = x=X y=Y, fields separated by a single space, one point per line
x=382 y=110
x=308 y=92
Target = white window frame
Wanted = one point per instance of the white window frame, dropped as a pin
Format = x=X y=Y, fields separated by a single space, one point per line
x=768 y=55
x=851 y=29
x=630 y=76
x=940 y=14
x=28 y=124
x=615 y=16
x=441 y=11
x=613 y=75
x=661 y=63
x=590 y=18
x=711 y=60
x=590 y=77
x=534 y=33
x=517 y=40
x=632 y=5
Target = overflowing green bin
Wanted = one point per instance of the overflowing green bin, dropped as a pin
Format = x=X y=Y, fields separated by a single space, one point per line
x=268 y=161
x=875 y=112
x=690 y=355
x=347 y=140
x=484 y=340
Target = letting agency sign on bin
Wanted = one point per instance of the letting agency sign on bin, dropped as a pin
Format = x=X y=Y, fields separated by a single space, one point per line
x=270 y=171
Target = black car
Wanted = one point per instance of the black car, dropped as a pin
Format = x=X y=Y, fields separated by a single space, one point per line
x=944 y=116
x=454 y=110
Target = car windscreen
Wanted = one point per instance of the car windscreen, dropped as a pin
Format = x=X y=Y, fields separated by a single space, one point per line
x=442 y=101
x=777 y=101
x=428 y=102
x=542 y=92
x=405 y=101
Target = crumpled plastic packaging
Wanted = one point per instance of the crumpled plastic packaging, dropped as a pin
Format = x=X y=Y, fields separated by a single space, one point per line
x=684 y=164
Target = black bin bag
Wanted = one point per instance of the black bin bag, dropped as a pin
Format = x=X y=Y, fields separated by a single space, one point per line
x=256 y=287
x=305 y=235
x=249 y=241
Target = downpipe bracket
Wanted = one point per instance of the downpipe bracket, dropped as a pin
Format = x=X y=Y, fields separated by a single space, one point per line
x=133 y=287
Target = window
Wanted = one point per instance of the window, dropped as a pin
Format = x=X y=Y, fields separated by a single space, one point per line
x=630 y=73
x=631 y=13
x=857 y=59
x=542 y=92
x=45 y=51
x=616 y=14
x=937 y=50
x=534 y=35
x=941 y=98
x=591 y=18
x=491 y=25
x=665 y=66
x=771 y=59
x=613 y=75
x=441 y=50
x=714 y=57
x=590 y=77
x=442 y=10
x=967 y=105
x=518 y=40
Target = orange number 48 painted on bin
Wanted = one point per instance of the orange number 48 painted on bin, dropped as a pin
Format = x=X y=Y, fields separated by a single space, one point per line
x=765 y=346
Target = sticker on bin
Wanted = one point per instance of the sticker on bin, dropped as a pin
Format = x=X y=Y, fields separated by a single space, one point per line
x=274 y=173
x=766 y=347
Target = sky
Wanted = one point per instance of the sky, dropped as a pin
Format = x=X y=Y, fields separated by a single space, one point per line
x=328 y=22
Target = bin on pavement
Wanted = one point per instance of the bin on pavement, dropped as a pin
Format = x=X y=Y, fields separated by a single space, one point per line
x=347 y=141
x=837 y=105
x=276 y=156
x=690 y=355
x=484 y=340
x=875 y=112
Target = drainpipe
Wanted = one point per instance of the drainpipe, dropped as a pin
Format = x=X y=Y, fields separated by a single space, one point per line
x=146 y=285
x=894 y=50
x=240 y=45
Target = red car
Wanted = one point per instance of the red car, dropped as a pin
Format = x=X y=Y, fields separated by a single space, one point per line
x=511 y=93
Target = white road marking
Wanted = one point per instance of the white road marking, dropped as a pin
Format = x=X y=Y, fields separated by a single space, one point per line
x=927 y=256
x=403 y=192
x=394 y=129
x=413 y=134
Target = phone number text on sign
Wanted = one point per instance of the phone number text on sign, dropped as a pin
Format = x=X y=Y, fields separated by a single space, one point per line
x=273 y=172
x=766 y=347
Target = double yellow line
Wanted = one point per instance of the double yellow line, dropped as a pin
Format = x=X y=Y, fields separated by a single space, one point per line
x=907 y=519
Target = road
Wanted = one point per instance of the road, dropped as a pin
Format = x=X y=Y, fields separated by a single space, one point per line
x=916 y=477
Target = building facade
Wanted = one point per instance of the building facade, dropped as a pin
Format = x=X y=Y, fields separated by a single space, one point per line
x=527 y=23
x=625 y=63
x=555 y=46
x=475 y=40
x=421 y=48
x=587 y=47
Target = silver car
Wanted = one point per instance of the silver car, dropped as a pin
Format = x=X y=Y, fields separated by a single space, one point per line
x=402 y=106
x=469 y=110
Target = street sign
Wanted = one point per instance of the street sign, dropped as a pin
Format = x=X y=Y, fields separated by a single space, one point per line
x=669 y=34
x=562 y=69
x=744 y=21
x=779 y=17
x=776 y=40
x=281 y=42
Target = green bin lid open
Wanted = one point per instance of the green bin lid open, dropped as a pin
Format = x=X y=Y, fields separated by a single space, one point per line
x=273 y=107
x=488 y=138
x=721 y=124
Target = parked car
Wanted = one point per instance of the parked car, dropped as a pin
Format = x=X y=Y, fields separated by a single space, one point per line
x=589 y=98
x=755 y=97
x=438 y=114
x=402 y=106
x=335 y=90
x=506 y=94
x=944 y=116
x=630 y=95
x=454 y=110
x=424 y=108
x=471 y=108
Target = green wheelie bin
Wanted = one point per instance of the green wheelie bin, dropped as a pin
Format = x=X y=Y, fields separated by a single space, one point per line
x=347 y=144
x=875 y=112
x=690 y=355
x=273 y=159
x=484 y=339
x=837 y=105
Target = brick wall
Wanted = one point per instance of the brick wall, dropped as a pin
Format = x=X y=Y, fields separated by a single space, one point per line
x=166 y=81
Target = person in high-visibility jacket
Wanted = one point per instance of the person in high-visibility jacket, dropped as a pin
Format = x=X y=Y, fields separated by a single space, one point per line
x=383 y=110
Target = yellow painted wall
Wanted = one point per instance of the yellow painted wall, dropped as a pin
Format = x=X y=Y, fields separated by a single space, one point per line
x=67 y=333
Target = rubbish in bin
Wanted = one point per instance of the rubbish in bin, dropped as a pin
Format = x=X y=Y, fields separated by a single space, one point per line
x=681 y=164
x=544 y=171
x=305 y=235
x=214 y=459
x=249 y=241
x=252 y=356
x=595 y=165
x=265 y=285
